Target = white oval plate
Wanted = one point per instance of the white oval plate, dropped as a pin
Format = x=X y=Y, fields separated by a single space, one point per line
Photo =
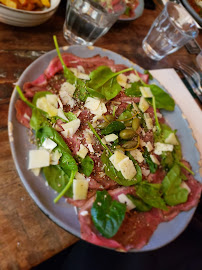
x=62 y=213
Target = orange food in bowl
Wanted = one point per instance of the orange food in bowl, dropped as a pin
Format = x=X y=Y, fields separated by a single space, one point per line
x=29 y=5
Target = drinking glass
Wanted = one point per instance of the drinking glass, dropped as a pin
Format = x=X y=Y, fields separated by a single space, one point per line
x=88 y=20
x=171 y=30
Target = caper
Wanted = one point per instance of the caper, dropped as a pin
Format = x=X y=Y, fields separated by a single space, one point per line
x=127 y=134
x=118 y=147
x=129 y=145
x=135 y=123
x=110 y=117
x=128 y=123
x=103 y=125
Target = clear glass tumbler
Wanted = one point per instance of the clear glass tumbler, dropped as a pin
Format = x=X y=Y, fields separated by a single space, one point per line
x=171 y=30
x=88 y=20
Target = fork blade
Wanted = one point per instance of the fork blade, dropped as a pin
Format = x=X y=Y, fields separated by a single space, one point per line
x=191 y=84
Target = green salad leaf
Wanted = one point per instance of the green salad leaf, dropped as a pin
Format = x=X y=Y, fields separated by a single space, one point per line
x=86 y=165
x=173 y=193
x=134 y=90
x=113 y=127
x=163 y=100
x=151 y=194
x=67 y=162
x=107 y=214
x=140 y=205
x=104 y=81
x=152 y=166
x=57 y=179
x=38 y=119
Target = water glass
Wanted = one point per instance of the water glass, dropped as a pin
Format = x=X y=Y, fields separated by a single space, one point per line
x=171 y=30
x=88 y=20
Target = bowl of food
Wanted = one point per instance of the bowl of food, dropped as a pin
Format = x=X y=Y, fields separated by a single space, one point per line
x=195 y=9
x=134 y=9
x=26 y=13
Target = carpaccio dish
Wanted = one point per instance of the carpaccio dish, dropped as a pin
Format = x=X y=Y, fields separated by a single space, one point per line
x=104 y=145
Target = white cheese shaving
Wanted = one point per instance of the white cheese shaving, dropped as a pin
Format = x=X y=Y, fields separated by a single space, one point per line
x=49 y=144
x=38 y=159
x=70 y=128
x=160 y=147
x=82 y=151
x=137 y=154
x=111 y=137
x=124 y=199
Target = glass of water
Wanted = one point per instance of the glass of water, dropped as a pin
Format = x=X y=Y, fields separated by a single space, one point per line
x=88 y=20
x=171 y=30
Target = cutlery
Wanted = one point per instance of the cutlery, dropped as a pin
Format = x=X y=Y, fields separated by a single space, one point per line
x=192 y=78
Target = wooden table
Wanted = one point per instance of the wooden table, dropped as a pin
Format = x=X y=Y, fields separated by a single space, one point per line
x=27 y=236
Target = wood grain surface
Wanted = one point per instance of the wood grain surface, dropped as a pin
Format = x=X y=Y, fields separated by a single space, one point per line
x=27 y=236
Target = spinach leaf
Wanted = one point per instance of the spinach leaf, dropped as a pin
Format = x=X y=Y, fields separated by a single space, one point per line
x=69 y=75
x=134 y=90
x=114 y=174
x=38 y=119
x=125 y=115
x=107 y=214
x=104 y=81
x=152 y=166
x=155 y=115
x=86 y=165
x=168 y=159
x=57 y=179
x=173 y=193
x=113 y=127
x=140 y=205
x=67 y=187
x=150 y=194
x=24 y=98
x=67 y=162
x=70 y=116
x=163 y=100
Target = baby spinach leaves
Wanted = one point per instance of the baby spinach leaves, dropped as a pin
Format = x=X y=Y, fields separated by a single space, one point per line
x=173 y=193
x=67 y=162
x=152 y=166
x=163 y=100
x=57 y=179
x=86 y=165
x=107 y=214
x=151 y=194
x=113 y=127
x=104 y=81
x=134 y=90
x=140 y=205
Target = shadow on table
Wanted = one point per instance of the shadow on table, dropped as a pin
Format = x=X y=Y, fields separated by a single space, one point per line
x=185 y=253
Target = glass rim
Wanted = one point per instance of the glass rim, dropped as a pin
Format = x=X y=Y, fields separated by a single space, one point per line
x=112 y=14
x=184 y=32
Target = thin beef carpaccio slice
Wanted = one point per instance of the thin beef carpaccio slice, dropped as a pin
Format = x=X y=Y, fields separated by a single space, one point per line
x=134 y=233
x=193 y=197
x=89 y=64
x=43 y=82
x=23 y=113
